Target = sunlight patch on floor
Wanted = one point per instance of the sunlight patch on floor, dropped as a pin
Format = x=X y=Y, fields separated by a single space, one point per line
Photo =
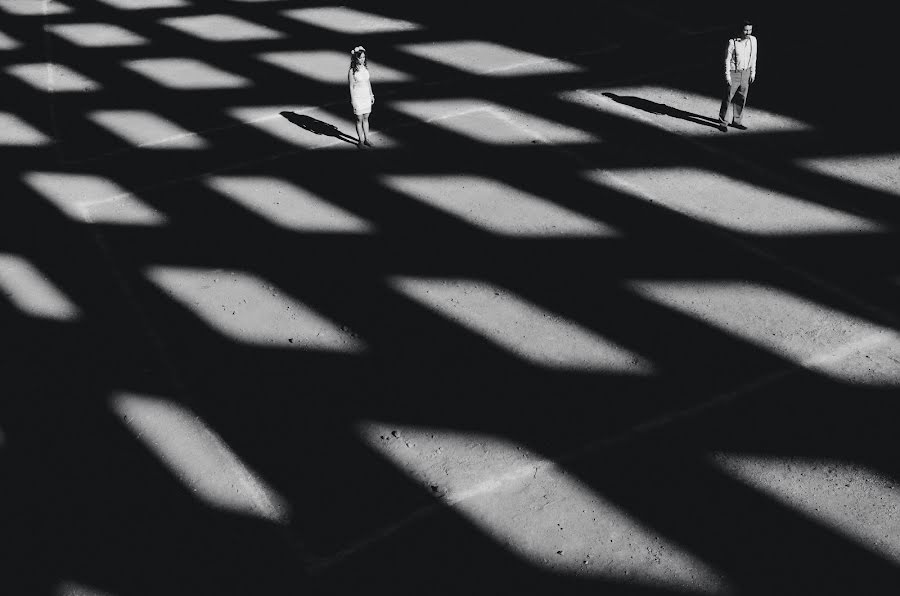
x=498 y=208
x=490 y=123
x=185 y=74
x=54 y=78
x=288 y=206
x=96 y=35
x=680 y=111
x=145 y=4
x=348 y=20
x=32 y=292
x=520 y=327
x=91 y=199
x=328 y=66
x=802 y=331
x=70 y=588
x=250 y=310
x=731 y=203
x=489 y=58
x=7 y=42
x=858 y=503
x=221 y=27
x=198 y=457
x=269 y=120
x=33 y=7
x=876 y=172
x=531 y=506
x=146 y=129
x=16 y=132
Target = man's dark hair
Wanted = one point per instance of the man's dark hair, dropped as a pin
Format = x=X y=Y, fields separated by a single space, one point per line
x=747 y=22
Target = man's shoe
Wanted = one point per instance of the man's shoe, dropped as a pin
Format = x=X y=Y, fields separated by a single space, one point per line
x=721 y=126
x=738 y=126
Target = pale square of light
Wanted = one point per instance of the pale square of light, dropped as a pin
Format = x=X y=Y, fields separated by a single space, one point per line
x=677 y=110
x=70 y=588
x=878 y=172
x=251 y=310
x=732 y=203
x=198 y=457
x=348 y=20
x=146 y=129
x=498 y=208
x=96 y=35
x=7 y=42
x=31 y=291
x=221 y=27
x=186 y=73
x=269 y=120
x=488 y=58
x=331 y=67
x=33 y=7
x=145 y=4
x=54 y=78
x=794 y=327
x=288 y=206
x=524 y=329
x=92 y=199
x=16 y=132
x=491 y=123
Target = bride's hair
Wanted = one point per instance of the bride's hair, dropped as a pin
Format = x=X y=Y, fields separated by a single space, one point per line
x=355 y=55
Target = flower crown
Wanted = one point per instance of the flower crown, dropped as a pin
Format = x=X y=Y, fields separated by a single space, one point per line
x=357 y=49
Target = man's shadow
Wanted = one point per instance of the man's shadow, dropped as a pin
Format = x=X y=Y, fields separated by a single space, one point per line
x=661 y=108
x=318 y=127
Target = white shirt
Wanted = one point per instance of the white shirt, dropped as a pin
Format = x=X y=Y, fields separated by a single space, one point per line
x=741 y=54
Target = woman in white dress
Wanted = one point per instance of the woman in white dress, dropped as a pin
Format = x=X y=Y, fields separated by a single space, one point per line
x=361 y=96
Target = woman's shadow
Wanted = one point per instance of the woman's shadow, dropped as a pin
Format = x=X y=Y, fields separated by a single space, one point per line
x=318 y=127
x=661 y=108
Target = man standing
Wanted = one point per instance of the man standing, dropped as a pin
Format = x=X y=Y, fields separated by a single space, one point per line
x=740 y=71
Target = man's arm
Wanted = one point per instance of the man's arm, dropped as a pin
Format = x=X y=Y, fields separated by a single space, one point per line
x=728 y=52
x=754 y=50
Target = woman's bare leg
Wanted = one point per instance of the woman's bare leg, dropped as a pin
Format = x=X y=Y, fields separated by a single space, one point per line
x=365 y=125
x=360 y=132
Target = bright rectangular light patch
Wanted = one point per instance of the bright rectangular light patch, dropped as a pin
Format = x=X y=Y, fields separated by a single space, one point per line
x=25 y=286
x=541 y=337
x=7 y=42
x=731 y=203
x=488 y=58
x=799 y=330
x=250 y=310
x=330 y=67
x=269 y=120
x=677 y=110
x=146 y=129
x=288 y=206
x=855 y=502
x=496 y=207
x=186 y=74
x=144 y=4
x=221 y=27
x=16 y=132
x=33 y=7
x=51 y=77
x=877 y=172
x=198 y=457
x=97 y=35
x=492 y=123
x=537 y=510
x=348 y=20
x=91 y=199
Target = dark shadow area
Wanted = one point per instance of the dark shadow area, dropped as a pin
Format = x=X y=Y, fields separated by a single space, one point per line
x=87 y=501
x=318 y=127
x=652 y=107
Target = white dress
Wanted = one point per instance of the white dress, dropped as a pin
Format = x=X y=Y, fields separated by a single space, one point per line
x=361 y=96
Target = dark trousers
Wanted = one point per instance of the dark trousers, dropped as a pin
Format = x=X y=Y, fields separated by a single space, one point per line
x=736 y=95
